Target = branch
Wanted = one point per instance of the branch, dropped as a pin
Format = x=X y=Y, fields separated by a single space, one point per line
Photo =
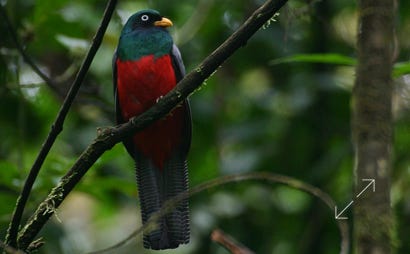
x=57 y=126
x=21 y=50
x=229 y=243
x=108 y=137
x=194 y=23
x=8 y=249
x=222 y=181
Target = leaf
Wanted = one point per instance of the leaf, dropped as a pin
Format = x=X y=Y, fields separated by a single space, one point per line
x=330 y=58
x=400 y=69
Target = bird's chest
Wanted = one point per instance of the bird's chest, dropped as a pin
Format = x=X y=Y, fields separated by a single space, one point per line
x=140 y=83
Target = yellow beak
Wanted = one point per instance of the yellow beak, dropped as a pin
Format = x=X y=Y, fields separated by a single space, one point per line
x=164 y=22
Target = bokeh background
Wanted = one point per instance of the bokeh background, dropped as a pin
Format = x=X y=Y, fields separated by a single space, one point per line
x=256 y=113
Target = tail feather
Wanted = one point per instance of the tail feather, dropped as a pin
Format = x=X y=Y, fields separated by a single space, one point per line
x=156 y=186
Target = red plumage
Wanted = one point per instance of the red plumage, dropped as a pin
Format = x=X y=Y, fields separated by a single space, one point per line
x=140 y=84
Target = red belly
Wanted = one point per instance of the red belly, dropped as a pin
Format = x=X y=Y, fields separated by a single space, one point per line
x=139 y=85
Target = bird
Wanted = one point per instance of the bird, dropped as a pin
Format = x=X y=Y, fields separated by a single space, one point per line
x=146 y=66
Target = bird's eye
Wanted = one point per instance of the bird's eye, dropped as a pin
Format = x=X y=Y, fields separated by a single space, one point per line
x=144 y=17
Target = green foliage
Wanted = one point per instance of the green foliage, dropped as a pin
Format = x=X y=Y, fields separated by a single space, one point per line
x=399 y=69
x=290 y=115
x=316 y=58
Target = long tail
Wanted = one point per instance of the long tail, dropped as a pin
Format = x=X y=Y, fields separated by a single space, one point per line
x=155 y=186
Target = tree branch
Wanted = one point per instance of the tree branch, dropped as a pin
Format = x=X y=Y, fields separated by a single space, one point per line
x=229 y=243
x=194 y=23
x=57 y=126
x=108 y=137
x=20 y=49
x=8 y=249
x=222 y=181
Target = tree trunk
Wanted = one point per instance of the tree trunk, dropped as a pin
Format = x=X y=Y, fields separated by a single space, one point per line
x=372 y=126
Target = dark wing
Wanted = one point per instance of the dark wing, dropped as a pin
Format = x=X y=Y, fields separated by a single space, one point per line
x=127 y=143
x=118 y=116
x=179 y=69
x=177 y=63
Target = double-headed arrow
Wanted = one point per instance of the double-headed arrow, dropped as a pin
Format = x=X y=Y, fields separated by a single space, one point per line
x=372 y=182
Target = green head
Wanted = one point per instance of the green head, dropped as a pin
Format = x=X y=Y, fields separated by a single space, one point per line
x=145 y=34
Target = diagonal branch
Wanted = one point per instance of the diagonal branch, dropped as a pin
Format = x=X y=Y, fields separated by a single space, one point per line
x=8 y=249
x=20 y=49
x=108 y=137
x=229 y=243
x=57 y=126
x=194 y=23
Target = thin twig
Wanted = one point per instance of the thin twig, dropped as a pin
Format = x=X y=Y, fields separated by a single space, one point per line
x=12 y=32
x=221 y=181
x=57 y=126
x=229 y=243
x=8 y=249
x=194 y=23
x=111 y=136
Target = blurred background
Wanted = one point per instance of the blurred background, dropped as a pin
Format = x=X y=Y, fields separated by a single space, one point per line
x=258 y=112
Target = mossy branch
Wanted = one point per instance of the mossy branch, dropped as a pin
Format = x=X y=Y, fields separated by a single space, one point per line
x=57 y=126
x=113 y=135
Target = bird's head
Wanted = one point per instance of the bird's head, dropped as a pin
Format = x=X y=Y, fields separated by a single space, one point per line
x=145 y=34
x=146 y=19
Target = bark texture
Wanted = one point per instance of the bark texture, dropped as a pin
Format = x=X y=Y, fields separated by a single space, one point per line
x=372 y=126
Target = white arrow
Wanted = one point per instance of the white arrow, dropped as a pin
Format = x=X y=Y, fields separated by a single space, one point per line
x=371 y=182
x=337 y=215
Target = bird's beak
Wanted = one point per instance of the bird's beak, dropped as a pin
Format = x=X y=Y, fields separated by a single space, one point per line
x=164 y=22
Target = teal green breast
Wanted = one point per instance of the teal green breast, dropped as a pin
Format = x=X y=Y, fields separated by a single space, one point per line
x=143 y=42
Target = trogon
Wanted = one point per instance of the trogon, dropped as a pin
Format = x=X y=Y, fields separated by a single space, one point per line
x=146 y=66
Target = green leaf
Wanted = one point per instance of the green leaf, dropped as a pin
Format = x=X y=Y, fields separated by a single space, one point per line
x=316 y=58
x=400 y=69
